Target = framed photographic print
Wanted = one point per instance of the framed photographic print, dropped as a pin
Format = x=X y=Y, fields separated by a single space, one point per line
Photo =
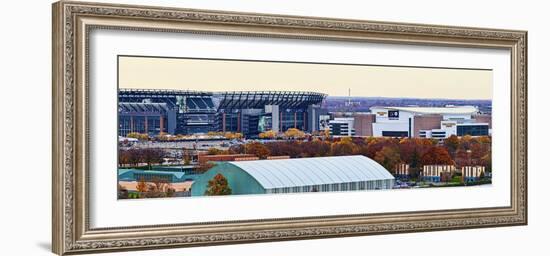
x=179 y=127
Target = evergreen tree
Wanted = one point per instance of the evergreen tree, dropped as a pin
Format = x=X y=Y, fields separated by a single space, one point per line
x=218 y=186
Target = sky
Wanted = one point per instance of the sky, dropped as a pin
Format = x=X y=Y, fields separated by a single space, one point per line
x=331 y=79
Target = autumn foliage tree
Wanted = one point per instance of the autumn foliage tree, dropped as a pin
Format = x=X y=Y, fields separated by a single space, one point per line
x=141 y=186
x=159 y=187
x=376 y=144
x=315 y=148
x=139 y=136
x=437 y=156
x=388 y=157
x=268 y=135
x=343 y=147
x=218 y=186
x=412 y=149
x=233 y=135
x=204 y=166
x=415 y=152
x=215 y=151
x=258 y=149
x=472 y=151
x=452 y=143
x=294 y=133
x=292 y=149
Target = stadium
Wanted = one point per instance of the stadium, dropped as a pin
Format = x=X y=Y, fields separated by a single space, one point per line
x=190 y=112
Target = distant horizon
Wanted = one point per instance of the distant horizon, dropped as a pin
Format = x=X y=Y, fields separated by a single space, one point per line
x=139 y=72
x=408 y=98
x=328 y=96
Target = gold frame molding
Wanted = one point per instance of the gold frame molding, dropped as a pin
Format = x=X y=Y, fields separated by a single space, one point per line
x=72 y=22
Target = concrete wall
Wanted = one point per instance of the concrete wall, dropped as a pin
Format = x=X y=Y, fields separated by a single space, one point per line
x=363 y=124
x=426 y=122
x=378 y=128
x=484 y=119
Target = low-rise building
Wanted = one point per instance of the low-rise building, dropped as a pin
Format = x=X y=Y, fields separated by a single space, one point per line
x=472 y=173
x=342 y=126
x=429 y=122
x=434 y=173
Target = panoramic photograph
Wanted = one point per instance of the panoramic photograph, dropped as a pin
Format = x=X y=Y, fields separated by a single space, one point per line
x=191 y=127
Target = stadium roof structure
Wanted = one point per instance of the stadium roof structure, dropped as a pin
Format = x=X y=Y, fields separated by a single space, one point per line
x=129 y=92
x=203 y=100
x=258 y=99
x=457 y=110
x=129 y=107
x=299 y=172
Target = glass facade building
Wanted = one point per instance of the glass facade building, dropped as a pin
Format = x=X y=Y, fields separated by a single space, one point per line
x=472 y=130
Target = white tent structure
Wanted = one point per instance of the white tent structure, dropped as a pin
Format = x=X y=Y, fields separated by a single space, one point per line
x=316 y=174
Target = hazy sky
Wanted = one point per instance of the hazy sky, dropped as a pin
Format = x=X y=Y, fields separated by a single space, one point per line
x=332 y=79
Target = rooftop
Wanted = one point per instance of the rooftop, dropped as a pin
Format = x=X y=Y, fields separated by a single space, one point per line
x=436 y=110
x=313 y=171
x=178 y=175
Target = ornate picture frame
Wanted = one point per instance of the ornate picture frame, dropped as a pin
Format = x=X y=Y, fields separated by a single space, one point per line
x=72 y=23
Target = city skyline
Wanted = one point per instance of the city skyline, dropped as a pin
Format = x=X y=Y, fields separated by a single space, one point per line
x=331 y=79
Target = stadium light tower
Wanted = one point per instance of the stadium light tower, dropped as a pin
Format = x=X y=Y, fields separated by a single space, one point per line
x=349 y=96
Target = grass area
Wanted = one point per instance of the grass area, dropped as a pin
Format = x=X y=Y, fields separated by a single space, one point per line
x=479 y=182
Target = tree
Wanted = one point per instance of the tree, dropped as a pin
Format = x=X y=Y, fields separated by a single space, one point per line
x=204 y=166
x=462 y=157
x=294 y=133
x=186 y=157
x=215 y=151
x=388 y=157
x=478 y=151
x=465 y=142
x=141 y=186
x=285 y=148
x=415 y=159
x=411 y=149
x=484 y=140
x=139 y=136
x=487 y=162
x=213 y=134
x=233 y=135
x=236 y=149
x=326 y=134
x=152 y=156
x=268 y=135
x=123 y=157
x=344 y=147
x=218 y=186
x=163 y=136
x=437 y=156
x=452 y=144
x=134 y=156
x=315 y=148
x=159 y=188
x=258 y=149
x=376 y=144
